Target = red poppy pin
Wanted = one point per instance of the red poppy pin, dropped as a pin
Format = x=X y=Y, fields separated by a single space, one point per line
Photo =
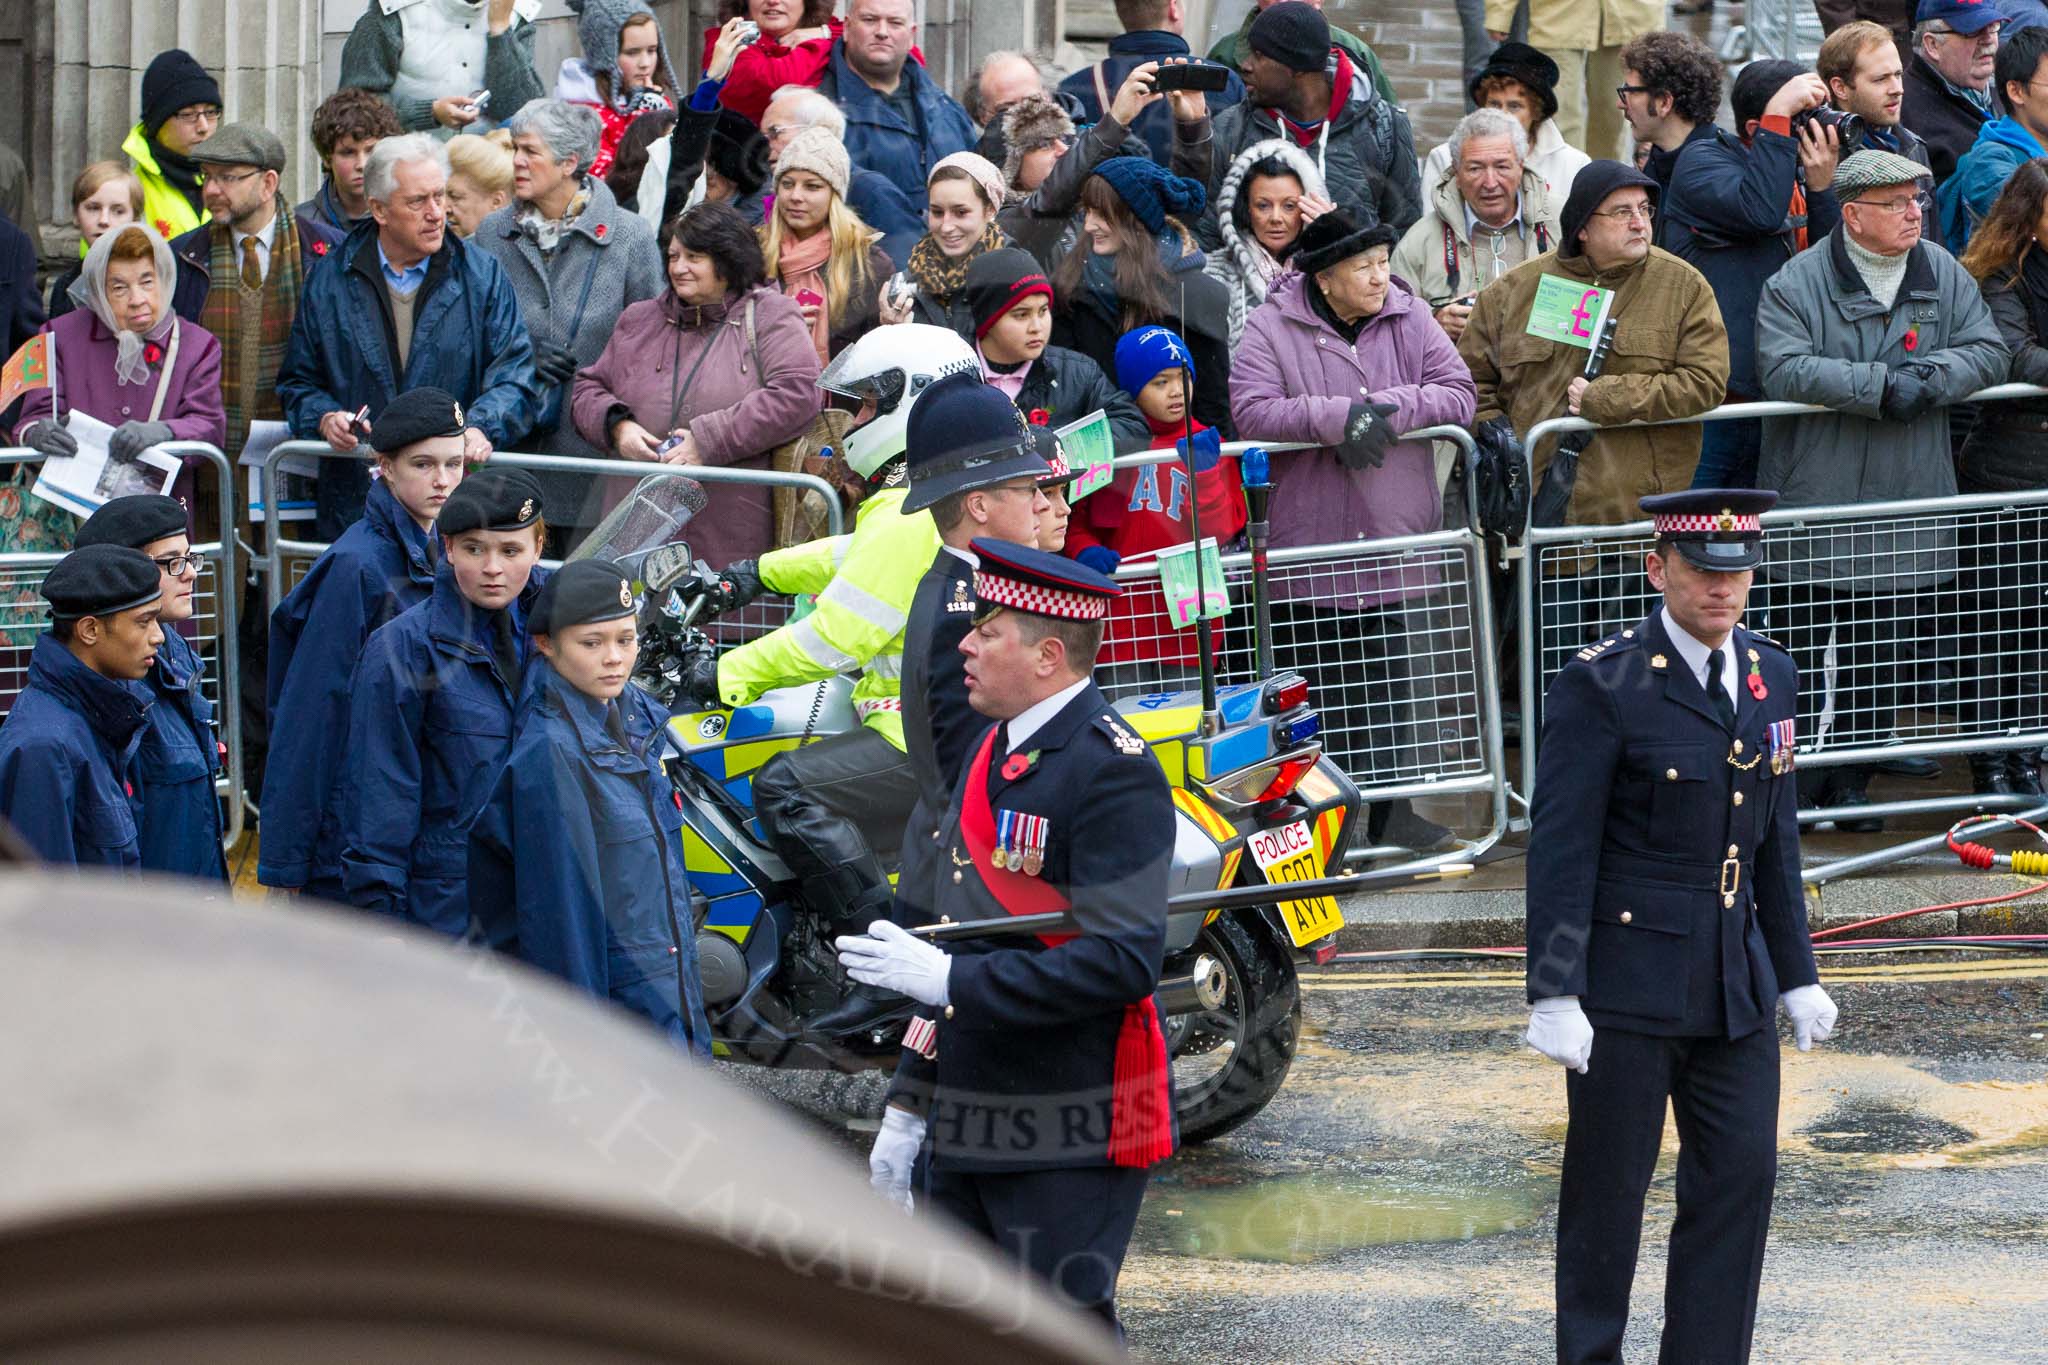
x=1756 y=683
x=1038 y=417
x=1016 y=765
x=599 y=231
x=319 y=248
x=163 y=227
x=152 y=353
x=1912 y=337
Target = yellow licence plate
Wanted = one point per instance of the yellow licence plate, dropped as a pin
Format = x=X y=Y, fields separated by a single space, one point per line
x=1289 y=854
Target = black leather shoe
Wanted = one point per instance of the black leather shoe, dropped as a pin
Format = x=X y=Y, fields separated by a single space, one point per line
x=1989 y=775
x=2022 y=769
x=1849 y=789
x=863 y=1008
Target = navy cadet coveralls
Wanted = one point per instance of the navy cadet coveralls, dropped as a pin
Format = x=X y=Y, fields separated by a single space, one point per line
x=175 y=766
x=381 y=566
x=65 y=754
x=1018 y=1097
x=430 y=723
x=1664 y=892
x=581 y=841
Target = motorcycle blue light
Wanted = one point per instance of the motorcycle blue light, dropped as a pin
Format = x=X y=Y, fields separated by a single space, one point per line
x=1290 y=731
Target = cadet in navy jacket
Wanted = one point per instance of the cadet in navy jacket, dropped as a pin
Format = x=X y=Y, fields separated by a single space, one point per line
x=179 y=756
x=67 y=746
x=381 y=566
x=581 y=837
x=430 y=711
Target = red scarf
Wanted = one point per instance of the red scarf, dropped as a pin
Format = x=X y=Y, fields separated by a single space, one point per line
x=1141 y=1106
x=1305 y=134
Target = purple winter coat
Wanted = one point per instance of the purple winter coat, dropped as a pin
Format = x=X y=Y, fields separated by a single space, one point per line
x=85 y=381
x=738 y=407
x=1294 y=378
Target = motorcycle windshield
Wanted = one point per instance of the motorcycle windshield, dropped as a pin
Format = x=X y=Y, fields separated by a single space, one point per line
x=653 y=515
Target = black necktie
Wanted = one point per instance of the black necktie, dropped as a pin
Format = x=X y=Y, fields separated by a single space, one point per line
x=1724 y=705
x=506 y=648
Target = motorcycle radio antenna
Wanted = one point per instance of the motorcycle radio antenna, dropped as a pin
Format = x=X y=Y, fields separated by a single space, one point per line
x=1212 y=717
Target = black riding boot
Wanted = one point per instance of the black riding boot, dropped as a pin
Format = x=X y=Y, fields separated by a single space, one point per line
x=863 y=1006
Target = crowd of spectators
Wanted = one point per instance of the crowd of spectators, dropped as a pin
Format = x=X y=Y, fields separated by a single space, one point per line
x=646 y=267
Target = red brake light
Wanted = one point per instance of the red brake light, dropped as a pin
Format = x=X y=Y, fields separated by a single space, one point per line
x=1291 y=772
x=1284 y=694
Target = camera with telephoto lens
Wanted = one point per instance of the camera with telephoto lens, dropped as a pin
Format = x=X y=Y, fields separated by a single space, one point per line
x=1849 y=128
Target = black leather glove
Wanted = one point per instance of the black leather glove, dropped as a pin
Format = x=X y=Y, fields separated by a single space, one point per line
x=130 y=439
x=49 y=437
x=738 y=584
x=553 y=366
x=1367 y=434
x=1907 y=395
x=700 y=678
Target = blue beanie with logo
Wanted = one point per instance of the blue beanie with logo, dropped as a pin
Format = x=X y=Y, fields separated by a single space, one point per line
x=1143 y=352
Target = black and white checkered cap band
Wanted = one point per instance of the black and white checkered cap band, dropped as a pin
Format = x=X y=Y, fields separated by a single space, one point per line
x=997 y=591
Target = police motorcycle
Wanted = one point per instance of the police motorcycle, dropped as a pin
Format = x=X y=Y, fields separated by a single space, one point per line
x=1257 y=805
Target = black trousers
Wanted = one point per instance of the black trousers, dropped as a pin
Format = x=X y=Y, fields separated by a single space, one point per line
x=834 y=810
x=1724 y=1095
x=1070 y=1227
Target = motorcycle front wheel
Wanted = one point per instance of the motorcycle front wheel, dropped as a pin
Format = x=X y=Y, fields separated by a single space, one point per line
x=1229 y=1062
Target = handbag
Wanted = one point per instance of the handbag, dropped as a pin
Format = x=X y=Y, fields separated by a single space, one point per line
x=800 y=513
x=1500 y=479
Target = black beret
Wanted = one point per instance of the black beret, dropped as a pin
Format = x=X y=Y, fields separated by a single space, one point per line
x=418 y=415
x=491 y=500
x=100 y=580
x=581 y=592
x=134 y=521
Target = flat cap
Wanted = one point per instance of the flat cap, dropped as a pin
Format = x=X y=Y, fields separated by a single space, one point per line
x=1872 y=169
x=491 y=500
x=100 y=580
x=580 y=593
x=134 y=521
x=416 y=415
x=242 y=144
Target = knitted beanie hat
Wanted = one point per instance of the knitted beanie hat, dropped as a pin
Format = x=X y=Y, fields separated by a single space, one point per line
x=1000 y=280
x=816 y=150
x=1143 y=352
x=1032 y=122
x=174 y=80
x=979 y=169
x=1293 y=34
x=1151 y=191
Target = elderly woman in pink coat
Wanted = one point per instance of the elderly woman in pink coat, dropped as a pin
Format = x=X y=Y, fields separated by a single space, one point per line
x=124 y=357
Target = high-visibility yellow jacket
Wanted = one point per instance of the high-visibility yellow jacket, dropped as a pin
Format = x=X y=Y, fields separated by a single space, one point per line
x=864 y=583
x=164 y=206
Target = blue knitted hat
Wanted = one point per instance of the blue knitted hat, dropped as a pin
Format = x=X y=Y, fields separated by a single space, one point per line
x=1151 y=191
x=1143 y=352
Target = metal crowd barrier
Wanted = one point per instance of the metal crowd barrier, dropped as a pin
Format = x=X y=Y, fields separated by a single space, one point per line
x=1775 y=28
x=24 y=616
x=287 y=560
x=1925 y=646
x=1395 y=636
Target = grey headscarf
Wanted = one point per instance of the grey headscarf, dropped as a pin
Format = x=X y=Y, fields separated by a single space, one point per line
x=89 y=291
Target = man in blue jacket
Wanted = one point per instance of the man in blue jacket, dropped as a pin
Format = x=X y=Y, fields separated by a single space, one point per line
x=179 y=758
x=2003 y=144
x=1737 y=209
x=1152 y=32
x=381 y=566
x=898 y=121
x=66 y=748
x=408 y=305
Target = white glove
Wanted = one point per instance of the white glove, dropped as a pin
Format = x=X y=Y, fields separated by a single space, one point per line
x=1812 y=1015
x=891 y=957
x=1559 y=1030
x=893 y=1155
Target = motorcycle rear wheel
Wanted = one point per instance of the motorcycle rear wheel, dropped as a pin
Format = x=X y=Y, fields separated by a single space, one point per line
x=1229 y=1062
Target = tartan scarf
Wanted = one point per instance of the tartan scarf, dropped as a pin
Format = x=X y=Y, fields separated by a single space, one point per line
x=249 y=363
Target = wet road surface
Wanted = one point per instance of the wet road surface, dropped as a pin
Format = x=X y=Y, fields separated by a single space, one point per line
x=1397 y=1201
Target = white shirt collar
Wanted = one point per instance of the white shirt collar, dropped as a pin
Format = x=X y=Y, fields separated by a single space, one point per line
x=264 y=238
x=1023 y=727
x=1513 y=224
x=1695 y=653
x=973 y=559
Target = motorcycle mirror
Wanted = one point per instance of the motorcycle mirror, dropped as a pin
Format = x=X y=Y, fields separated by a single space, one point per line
x=666 y=566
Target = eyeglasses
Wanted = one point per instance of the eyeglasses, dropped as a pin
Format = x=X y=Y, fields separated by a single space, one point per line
x=1622 y=92
x=197 y=115
x=1923 y=202
x=223 y=178
x=1988 y=33
x=780 y=130
x=177 y=566
x=1628 y=213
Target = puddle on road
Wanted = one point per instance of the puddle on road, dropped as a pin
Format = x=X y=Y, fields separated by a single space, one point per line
x=1295 y=1219
x=1878 y=1128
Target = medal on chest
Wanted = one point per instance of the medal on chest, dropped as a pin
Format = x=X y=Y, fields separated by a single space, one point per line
x=1020 y=842
x=1782 y=745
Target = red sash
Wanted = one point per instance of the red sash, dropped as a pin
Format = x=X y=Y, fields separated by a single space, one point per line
x=1140 y=1117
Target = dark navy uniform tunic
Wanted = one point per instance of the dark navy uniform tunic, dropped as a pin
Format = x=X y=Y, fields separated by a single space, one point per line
x=1664 y=892
x=175 y=767
x=938 y=723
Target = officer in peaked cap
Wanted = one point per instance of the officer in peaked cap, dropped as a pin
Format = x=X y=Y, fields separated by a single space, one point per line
x=1040 y=1078
x=1666 y=928
x=973 y=463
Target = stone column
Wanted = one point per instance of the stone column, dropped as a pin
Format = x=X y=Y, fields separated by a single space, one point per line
x=264 y=53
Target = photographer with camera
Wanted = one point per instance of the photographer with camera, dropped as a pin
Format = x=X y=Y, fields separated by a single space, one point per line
x=2003 y=144
x=1738 y=209
x=1866 y=82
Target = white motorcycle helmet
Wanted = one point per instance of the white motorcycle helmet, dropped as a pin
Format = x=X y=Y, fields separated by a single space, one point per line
x=878 y=377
